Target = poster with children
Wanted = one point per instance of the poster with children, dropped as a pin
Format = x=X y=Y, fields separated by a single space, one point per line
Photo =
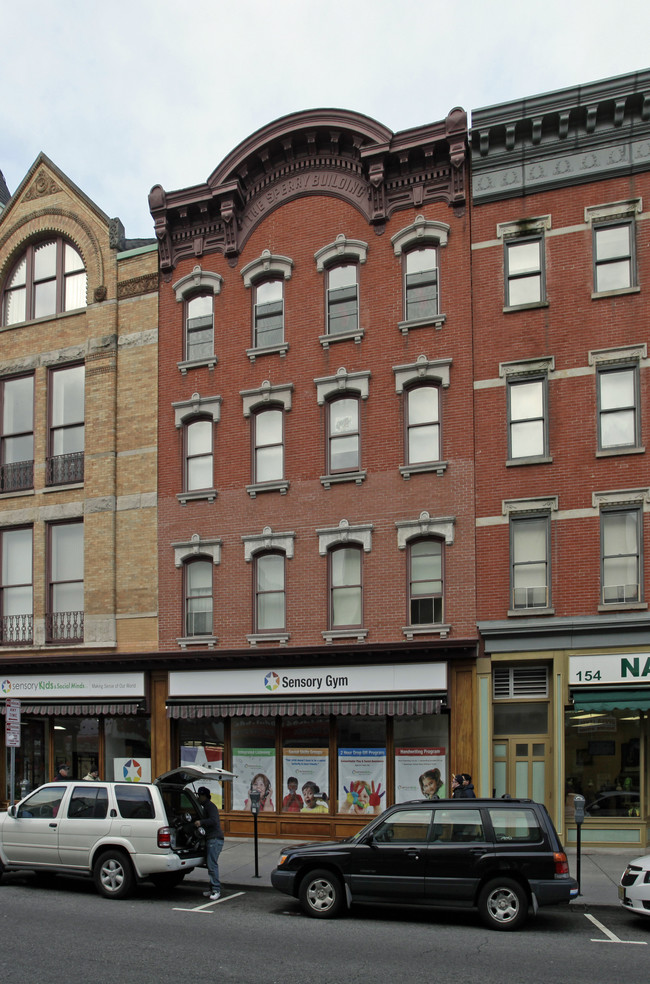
x=362 y=780
x=305 y=776
x=420 y=773
x=254 y=768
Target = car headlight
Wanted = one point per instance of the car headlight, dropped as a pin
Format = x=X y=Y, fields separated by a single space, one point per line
x=282 y=859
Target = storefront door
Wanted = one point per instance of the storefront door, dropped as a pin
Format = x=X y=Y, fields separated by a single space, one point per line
x=520 y=767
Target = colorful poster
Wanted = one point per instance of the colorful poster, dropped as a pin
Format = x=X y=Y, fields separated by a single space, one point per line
x=362 y=780
x=254 y=768
x=132 y=770
x=420 y=773
x=305 y=774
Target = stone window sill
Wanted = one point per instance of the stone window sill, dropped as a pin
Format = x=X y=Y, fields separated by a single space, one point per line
x=596 y=295
x=529 y=612
x=434 y=629
x=208 y=495
x=613 y=452
x=345 y=336
x=624 y=606
x=280 y=486
x=356 y=476
x=510 y=309
x=257 y=353
x=537 y=459
x=332 y=634
x=262 y=637
x=197 y=363
x=209 y=642
x=439 y=467
x=437 y=321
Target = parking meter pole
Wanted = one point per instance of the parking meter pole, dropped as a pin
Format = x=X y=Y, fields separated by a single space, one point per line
x=12 y=775
x=579 y=816
x=255 y=796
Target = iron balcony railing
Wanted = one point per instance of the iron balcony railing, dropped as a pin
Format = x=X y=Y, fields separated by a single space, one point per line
x=16 y=476
x=65 y=469
x=17 y=630
x=64 y=627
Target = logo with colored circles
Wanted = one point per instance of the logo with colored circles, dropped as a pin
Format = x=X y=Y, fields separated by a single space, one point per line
x=6 y=686
x=272 y=680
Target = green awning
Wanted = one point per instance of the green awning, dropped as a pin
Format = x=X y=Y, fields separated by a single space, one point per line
x=621 y=699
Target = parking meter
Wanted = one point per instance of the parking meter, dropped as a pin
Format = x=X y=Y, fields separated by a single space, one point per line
x=579 y=807
x=254 y=796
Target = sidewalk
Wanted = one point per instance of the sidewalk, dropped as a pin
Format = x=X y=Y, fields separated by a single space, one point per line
x=600 y=868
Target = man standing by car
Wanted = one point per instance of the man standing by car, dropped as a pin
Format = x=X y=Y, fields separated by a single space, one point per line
x=213 y=840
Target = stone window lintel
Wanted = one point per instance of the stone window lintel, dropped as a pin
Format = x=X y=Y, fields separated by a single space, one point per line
x=421 y=232
x=343 y=381
x=196 y=547
x=527 y=367
x=267 y=393
x=267 y=265
x=255 y=543
x=435 y=370
x=340 y=251
x=613 y=210
x=360 y=533
x=519 y=228
x=184 y=409
x=425 y=525
x=198 y=279
x=541 y=504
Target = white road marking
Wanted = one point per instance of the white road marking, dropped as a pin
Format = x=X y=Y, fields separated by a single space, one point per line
x=207 y=906
x=611 y=937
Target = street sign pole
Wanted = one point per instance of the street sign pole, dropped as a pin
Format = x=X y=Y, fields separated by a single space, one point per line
x=12 y=740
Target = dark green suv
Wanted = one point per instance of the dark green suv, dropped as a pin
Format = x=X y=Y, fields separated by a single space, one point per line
x=502 y=857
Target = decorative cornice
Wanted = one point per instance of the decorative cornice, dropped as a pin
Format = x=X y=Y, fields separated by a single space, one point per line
x=360 y=533
x=321 y=152
x=147 y=284
x=425 y=525
x=254 y=543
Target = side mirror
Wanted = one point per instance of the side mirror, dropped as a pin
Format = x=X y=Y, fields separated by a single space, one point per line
x=579 y=806
x=13 y=812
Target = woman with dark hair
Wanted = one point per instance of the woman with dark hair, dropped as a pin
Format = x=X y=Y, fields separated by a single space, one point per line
x=431 y=783
x=261 y=784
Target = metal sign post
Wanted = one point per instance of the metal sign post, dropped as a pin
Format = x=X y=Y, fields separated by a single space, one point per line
x=579 y=806
x=12 y=740
x=254 y=796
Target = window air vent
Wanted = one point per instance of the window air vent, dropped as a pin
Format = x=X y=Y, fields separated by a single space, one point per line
x=521 y=682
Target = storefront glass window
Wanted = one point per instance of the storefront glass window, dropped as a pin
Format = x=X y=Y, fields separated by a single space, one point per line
x=361 y=750
x=31 y=766
x=525 y=718
x=421 y=746
x=202 y=743
x=76 y=741
x=305 y=765
x=603 y=762
x=127 y=753
x=253 y=762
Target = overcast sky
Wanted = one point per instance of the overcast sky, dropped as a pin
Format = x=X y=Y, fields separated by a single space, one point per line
x=132 y=93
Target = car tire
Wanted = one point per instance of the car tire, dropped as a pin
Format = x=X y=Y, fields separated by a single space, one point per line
x=321 y=894
x=113 y=874
x=503 y=904
x=166 y=880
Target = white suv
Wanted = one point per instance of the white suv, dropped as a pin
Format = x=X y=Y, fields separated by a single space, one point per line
x=118 y=832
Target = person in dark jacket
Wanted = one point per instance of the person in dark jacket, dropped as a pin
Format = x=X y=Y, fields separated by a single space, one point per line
x=462 y=787
x=468 y=787
x=62 y=773
x=211 y=823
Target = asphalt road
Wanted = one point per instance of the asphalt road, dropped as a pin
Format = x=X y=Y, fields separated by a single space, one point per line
x=61 y=931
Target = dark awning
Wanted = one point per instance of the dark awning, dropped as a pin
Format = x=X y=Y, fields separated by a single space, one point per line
x=77 y=710
x=621 y=699
x=268 y=708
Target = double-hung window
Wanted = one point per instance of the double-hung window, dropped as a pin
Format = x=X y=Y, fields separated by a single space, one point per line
x=423 y=424
x=269 y=592
x=421 y=283
x=199 y=462
x=613 y=246
x=344 y=438
x=268 y=440
x=17 y=437
x=524 y=263
x=426 y=581
x=16 y=625
x=65 y=463
x=346 y=589
x=618 y=407
x=621 y=555
x=50 y=278
x=530 y=562
x=198 y=597
x=65 y=609
x=342 y=299
x=199 y=327
x=268 y=317
x=527 y=418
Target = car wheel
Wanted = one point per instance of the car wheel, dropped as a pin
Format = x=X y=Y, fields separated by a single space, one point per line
x=113 y=875
x=503 y=904
x=321 y=894
x=166 y=880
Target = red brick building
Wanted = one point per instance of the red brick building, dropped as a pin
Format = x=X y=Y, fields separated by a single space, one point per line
x=316 y=475
x=560 y=269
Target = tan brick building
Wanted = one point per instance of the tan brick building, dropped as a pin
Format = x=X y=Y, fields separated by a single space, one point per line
x=78 y=391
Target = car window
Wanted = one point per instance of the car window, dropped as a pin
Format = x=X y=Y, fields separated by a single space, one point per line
x=42 y=803
x=134 y=802
x=404 y=826
x=515 y=826
x=458 y=826
x=88 y=802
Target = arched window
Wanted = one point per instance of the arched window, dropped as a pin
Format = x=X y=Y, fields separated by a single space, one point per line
x=198 y=460
x=269 y=592
x=426 y=582
x=198 y=597
x=346 y=589
x=49 y=278
x=423 y=424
